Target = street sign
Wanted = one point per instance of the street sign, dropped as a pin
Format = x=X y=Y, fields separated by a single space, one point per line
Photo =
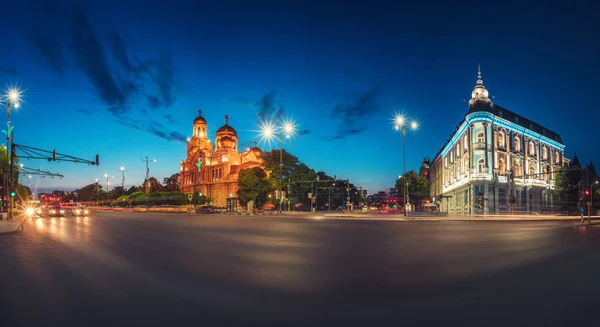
x=310 y=195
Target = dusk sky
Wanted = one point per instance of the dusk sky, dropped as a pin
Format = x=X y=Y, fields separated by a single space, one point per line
x=125 y=79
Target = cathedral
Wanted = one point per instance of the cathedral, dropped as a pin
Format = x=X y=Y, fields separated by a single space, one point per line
x=213 y=170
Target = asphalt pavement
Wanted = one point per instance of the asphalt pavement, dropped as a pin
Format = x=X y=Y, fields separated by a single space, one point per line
x=151 y=269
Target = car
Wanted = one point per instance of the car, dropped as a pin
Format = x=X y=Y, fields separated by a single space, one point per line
x=205 y=209
x=33 y=209
x=56 y=211
x=80 y=211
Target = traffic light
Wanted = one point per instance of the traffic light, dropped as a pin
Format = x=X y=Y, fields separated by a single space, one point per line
x=13 y=193
x=586 y=195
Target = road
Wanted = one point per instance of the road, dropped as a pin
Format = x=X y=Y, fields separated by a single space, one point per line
x=150 y=269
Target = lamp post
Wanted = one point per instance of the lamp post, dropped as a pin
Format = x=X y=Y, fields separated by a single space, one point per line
x=591 y=201
x=12 y=99
x=123 y=170
x=401 y=123
x=107 y=184
x=269 y=132
x=146 y=179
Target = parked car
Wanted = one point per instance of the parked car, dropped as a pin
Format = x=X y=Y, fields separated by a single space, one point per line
x=205 y=209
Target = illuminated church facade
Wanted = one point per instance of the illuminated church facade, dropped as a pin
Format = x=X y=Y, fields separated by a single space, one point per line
x=496 y=162
x=211 y=169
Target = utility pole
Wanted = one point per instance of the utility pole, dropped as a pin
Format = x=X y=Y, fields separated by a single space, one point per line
x=123 y=170
x=146 y=180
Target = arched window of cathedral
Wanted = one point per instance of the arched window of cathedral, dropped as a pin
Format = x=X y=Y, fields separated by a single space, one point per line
x=501 y=139
x=480 y=137
x=545 y=153
x=516 y=144
x=501 y=167
x=481 y=165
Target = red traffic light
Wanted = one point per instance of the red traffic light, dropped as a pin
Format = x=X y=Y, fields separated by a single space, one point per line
x=587 y=192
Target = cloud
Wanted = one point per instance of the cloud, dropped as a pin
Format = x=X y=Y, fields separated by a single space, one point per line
x=303 y=132
x=346 y=133
x=153 y=101
x=266 y=107
x=172 y=120
x=50 y=49
x=354 y=113
x=121 y=80
x=155 y=129
x=93 y=61
x=84 y=111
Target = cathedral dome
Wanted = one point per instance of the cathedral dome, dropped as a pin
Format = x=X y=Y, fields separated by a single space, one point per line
x=257 y=152
x=226 y=129
x=200 y=119
x=227 y=142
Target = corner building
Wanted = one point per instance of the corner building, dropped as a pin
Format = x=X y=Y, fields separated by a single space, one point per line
x=496 y=162
x=214 y=170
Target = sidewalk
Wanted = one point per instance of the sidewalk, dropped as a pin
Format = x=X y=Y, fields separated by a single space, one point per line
x=9 y=226
x=498 y=218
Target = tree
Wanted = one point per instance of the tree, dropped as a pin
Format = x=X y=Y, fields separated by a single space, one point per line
x=566 y=188
x=172 y=183
x=417 y=186
x=155 y=186
x=253 y=186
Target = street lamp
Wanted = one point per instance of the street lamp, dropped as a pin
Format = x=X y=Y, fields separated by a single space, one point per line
x=107 y=183
x=402 y=123
x=123 y=170
x=269 y=131
x=13 y=96
x=147 y=176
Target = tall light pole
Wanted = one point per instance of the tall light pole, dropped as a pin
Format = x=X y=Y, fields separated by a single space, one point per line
x=146 y=179
x=12 y=99
x=107 y=183
x=269 y=132
x=401 y=123
x=123 y=170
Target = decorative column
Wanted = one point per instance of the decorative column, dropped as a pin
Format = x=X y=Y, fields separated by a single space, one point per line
x=485 y=138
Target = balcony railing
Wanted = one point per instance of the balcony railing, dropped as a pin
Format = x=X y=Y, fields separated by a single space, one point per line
x=479 y=146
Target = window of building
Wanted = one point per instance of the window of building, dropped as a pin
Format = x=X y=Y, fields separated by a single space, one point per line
x=517 y=144
x=466 y=142
x=531 y=173
x=501 y=167
x=557 y=157
x=481 y=165
x=466 y=164
x=480 y=137
x=546 y=173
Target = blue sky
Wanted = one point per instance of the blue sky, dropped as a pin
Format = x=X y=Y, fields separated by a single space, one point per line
x=125 y=79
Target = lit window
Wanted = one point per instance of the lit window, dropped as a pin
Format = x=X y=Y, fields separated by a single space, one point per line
x=481 y=165
x=501 y=139
x=517 y=144
x=480 y=137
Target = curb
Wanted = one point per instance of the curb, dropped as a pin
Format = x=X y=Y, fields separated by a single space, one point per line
x=18 y=229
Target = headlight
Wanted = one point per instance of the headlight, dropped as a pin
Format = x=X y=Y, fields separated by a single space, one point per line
x=77 y=211
x=62 y=211
x=29 y=211
x=86 y=212
x=52 y=211
x=39 y=211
